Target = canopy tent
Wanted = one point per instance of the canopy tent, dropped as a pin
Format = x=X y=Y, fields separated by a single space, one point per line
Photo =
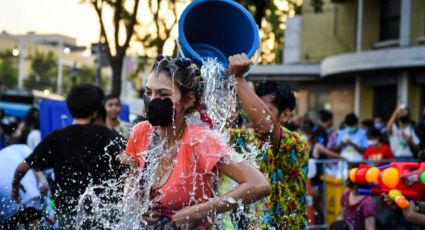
x=15 y=109
x=54 y=114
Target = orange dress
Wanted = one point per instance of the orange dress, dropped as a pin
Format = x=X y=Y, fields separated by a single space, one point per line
x=192 y=179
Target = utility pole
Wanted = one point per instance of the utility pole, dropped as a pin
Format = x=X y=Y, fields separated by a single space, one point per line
x=21 y=68
x=74 y=74
x=98 y=63
x=60 y=67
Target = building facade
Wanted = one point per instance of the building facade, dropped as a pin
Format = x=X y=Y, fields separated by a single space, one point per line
x=362 y=56
x=64 y=48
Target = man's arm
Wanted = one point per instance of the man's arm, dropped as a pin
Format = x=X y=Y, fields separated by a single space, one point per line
x=369 y=223
x=412 y=216
x=319 y=149
x=43 y=181
x=413 y=142
x=391 y=121
x=356 y=147
x=20 y=172
x=257 y=111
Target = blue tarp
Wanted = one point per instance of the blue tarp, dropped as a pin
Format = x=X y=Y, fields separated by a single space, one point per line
x=55 y=115
x=15 y=109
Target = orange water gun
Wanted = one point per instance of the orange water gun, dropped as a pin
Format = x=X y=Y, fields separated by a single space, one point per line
x=400 y=180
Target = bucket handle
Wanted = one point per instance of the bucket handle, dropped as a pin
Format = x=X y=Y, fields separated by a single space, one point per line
x=257 y=59
x=180 y=51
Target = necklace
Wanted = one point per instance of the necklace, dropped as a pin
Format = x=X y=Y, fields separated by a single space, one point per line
x=181 y=132
x=167 y=161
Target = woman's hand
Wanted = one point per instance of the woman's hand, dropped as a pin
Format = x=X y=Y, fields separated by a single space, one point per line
x=127 y=161
x=239 y=64
x=15 y=192
x=188 y=217
x=152 y=216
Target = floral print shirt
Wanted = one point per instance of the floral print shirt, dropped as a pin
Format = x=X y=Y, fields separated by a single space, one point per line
x=286 y=169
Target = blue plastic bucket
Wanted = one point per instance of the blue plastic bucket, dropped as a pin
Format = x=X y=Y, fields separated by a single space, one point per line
x=217 y=28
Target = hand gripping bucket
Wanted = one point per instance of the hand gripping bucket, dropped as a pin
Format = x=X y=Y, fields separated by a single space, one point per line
x=217 y=28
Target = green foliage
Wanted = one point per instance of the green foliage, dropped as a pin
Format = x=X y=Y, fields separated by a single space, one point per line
x=163 y=24
x=123 y=23
x=85 y=74
x=43 y=71
x=271 y=17
x=8 y=73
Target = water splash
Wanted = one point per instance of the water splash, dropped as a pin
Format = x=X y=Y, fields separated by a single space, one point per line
x=121 y=204
x=220 y=91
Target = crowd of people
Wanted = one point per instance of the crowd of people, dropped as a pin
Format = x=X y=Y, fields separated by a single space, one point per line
x=373 y=142
x=399 y=139
x=176 y=159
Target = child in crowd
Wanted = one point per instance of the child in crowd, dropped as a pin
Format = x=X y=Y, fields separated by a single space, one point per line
x=352 y=140
x=359 y=210
x=376 y=150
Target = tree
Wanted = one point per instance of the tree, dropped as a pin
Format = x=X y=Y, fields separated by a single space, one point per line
x=123 y=19
x=164 y=21
x=8 y=73
x=270 y=16
x=85 y=74
x=43 y=71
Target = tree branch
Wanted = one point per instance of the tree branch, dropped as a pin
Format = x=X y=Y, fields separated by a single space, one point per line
x=117 y=18
x=156 y=17
x=130 y=28
x=173 y=8
x=98 y=9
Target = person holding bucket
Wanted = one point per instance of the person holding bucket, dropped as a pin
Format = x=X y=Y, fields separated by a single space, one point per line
x=285 y=161
x=232 y=30
x=180 y=156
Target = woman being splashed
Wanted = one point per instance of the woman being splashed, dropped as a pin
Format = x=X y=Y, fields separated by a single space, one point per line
x=180 y=156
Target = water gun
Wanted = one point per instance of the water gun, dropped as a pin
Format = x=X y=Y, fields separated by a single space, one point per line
x=402 y=181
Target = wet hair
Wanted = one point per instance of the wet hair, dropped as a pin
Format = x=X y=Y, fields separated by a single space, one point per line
x=324 y=115
x=351 y=120
x=375 y=133
x=111 y=97
x=85 y=99
x=187 y=76
x=283 y=96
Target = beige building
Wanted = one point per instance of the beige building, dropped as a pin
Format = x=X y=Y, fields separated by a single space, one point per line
x=362 y=56
x=63 y=47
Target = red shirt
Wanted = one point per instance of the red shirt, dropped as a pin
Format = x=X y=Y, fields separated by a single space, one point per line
x=192 y=177
x=381 y=152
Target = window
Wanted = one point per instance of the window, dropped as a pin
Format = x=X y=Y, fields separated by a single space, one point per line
x=390 y=20
x=384 y=101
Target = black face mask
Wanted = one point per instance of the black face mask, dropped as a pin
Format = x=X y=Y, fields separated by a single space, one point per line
x=160 y=112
